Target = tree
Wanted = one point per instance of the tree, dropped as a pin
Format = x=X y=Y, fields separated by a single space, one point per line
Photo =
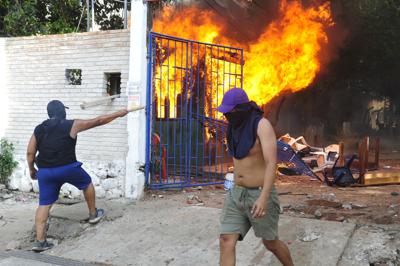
x=30 y=17
x=109 y=14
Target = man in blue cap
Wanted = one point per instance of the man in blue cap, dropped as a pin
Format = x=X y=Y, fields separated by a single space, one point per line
x=55 y=140
x=253 y=200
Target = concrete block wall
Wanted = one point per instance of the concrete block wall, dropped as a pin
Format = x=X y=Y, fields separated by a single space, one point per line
x=3 y=90
x=35 y=74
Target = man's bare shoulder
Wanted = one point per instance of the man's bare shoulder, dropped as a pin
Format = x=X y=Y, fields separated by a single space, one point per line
x=264 y=127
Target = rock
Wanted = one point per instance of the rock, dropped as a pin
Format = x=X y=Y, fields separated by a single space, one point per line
x=309 y=196
x=2 y=186
x=160 y=196
x=14 y=182
x=113 y=171
x=25 y=184
x=395 y=193
x=199 y=204
x=109 y=183
x=329 y=196
x=359 y=206
x=309 y=236
x=347 y=206
x=95 y=179
x=116 y=169
x=53 y=241
x=7 y=196
x=190 y=197
x=340 y=219
x=74 y=192
x=70 y=191
x=13 y=245
x=318 y=214
x=101 y=173
x=198 y=199
x=35 y=186
x=100 y=192
x=21 y=198
x=113 y=193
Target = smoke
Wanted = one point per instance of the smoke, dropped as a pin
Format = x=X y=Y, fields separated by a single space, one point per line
x=245 y=20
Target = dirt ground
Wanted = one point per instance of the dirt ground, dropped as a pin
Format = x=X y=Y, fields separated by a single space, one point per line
x=302 y=197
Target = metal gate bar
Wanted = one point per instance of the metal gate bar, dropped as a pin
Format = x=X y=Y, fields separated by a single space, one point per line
x=186 y=82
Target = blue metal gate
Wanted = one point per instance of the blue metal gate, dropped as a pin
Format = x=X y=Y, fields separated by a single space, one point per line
x=185 y=135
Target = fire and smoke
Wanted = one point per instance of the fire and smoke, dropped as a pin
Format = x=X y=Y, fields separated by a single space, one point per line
x=285 y=56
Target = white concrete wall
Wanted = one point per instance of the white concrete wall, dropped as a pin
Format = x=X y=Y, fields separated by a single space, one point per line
x=134 y=182
x=36 y=74
x=3 y=90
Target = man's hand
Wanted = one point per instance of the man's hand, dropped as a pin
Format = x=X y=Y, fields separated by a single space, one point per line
x=33 y=172
x=259 y=208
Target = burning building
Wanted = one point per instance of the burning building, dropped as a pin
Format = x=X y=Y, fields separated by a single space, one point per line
x=285 y=57
x=197 y=55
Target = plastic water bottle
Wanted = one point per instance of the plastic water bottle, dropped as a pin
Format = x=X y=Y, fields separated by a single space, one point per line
x=229 y=182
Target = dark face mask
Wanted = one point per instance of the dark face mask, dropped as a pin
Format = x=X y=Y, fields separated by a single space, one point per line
x=236 y=118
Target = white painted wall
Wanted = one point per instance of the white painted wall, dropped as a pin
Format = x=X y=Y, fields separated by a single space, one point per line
x=134 y=182
x=35 y=74
x=3 y=90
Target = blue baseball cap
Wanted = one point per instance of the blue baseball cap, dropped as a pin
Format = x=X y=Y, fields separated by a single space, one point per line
x=232 y=98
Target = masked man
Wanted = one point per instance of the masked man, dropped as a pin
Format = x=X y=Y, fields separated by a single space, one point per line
x=253 y=200
x=55 y=140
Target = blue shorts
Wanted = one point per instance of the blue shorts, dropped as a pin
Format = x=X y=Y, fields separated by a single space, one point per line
x=51 y=179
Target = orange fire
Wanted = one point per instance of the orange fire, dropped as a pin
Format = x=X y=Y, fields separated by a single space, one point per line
x=283 y=58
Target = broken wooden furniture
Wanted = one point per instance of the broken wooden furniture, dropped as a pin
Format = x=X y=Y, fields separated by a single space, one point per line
x=370 y=173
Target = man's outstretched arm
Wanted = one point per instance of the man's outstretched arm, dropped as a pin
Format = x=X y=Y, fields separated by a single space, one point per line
x=85 y=124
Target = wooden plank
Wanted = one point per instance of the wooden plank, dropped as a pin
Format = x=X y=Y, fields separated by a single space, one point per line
x=381 y=177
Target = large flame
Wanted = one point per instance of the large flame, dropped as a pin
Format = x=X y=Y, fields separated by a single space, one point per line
x=283 y=58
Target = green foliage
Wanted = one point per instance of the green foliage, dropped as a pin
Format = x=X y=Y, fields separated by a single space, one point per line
x=109 y=14
x=31 y=17
x=7 y=162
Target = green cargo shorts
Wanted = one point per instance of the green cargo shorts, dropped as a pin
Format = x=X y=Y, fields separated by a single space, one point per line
x=236 y=215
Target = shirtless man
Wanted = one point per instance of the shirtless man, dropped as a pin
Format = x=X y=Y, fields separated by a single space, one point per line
x=253 y=200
